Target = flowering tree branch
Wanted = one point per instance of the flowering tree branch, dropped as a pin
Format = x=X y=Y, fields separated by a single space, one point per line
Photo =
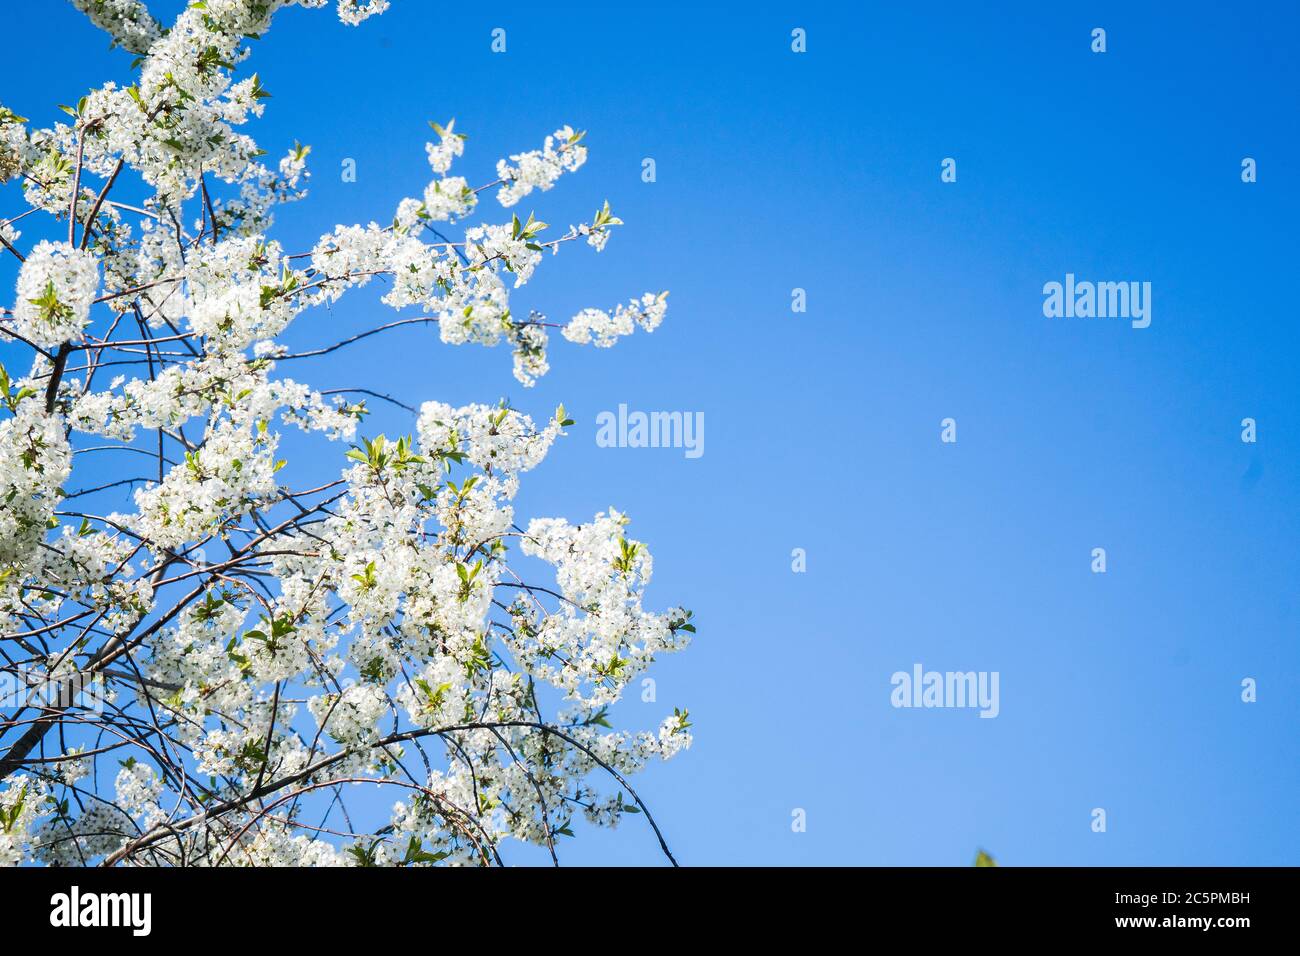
x=236 y=639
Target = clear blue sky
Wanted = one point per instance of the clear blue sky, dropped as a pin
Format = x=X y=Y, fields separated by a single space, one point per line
x=821 y=171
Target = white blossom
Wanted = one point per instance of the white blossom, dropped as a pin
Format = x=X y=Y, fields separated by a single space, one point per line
x=539 y=169
x=448 y=198
x=450 y=145
x=603 y=329
x=55 y=287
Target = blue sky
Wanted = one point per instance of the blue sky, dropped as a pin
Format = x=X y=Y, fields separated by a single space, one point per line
x=821 y=171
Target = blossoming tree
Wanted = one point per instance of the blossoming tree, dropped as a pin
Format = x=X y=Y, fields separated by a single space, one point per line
x=187 y=677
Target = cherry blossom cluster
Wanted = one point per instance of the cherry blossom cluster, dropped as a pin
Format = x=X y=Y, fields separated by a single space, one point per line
x=55 y=288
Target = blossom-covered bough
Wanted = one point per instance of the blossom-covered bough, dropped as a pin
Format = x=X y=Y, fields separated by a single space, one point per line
x=198 y=680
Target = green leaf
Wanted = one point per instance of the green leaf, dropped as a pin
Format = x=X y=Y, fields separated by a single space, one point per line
x=416 y=853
